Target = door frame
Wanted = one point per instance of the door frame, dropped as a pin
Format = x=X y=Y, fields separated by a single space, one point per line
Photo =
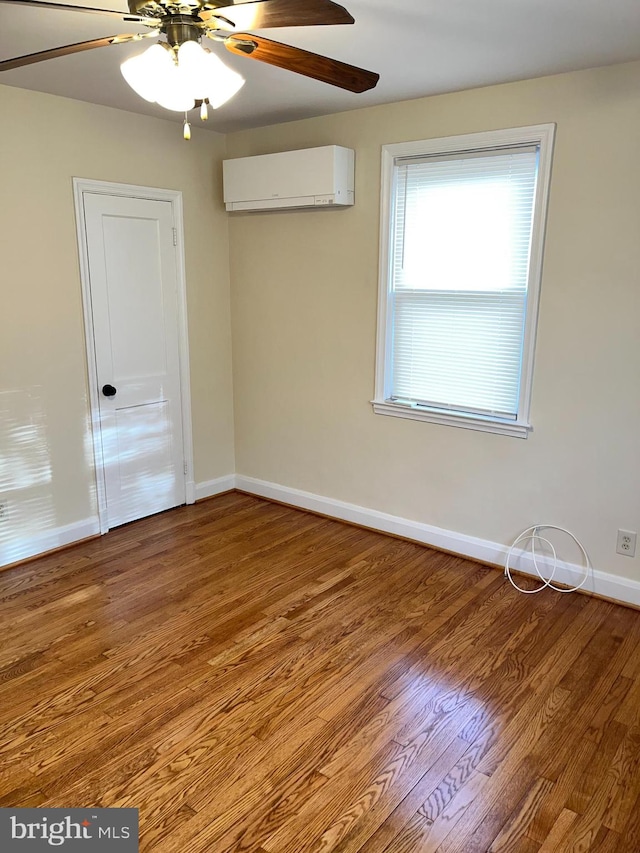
x=80 y=186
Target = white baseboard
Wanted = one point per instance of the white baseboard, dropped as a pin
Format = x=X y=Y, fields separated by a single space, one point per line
x=601 y=583
x=215 y=487
x=47 y=540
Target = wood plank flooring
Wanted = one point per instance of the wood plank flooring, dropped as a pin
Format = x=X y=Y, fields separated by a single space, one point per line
x=255 y=678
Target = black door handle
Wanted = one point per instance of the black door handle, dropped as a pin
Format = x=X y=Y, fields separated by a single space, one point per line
x=108 y=391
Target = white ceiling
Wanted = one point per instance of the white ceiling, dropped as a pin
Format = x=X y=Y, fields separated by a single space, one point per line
x=419 y=47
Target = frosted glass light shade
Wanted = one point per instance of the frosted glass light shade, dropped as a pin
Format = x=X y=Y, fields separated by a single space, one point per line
x=175 y=92
x=199 y=75
x=223 y=82
x=145 y=71
x=192 y=62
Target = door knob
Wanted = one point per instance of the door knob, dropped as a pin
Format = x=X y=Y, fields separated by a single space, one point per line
x=108 y=390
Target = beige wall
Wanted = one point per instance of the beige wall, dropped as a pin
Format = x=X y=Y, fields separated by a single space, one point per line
x=45 y=141
x=304 y=288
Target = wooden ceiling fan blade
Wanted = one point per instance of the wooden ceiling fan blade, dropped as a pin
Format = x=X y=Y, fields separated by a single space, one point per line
x=65 y=50
x=314 y=65
x=37 y=4
x=279 y=13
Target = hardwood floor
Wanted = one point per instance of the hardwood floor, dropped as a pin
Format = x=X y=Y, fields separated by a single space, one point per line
x=254 y=678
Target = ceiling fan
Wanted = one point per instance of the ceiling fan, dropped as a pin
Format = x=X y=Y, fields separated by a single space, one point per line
x=175 y=70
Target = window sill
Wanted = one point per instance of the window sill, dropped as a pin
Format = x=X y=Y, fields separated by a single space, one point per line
x=398 y=410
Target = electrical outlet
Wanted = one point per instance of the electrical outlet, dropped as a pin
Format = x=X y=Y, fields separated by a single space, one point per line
x=626 y=543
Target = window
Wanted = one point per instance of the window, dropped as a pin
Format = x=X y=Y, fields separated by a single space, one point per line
x=461 y=258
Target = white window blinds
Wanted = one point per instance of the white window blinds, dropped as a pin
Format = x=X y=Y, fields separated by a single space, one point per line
x=459 y=268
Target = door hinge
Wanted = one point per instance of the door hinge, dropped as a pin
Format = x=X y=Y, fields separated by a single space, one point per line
x=175 y=243
x=186 y=468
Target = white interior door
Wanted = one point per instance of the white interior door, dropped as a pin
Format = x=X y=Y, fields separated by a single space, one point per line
x=132 y=280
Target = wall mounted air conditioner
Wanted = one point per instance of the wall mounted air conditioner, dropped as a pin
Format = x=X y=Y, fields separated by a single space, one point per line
x=311 y=177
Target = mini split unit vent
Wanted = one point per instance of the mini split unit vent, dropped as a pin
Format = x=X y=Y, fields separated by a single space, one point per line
x=312 y=177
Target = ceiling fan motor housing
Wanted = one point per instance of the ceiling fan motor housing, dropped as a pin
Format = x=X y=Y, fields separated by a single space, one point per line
x=180 y=28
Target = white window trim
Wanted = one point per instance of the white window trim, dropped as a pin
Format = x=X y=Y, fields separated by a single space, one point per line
x=542 y=135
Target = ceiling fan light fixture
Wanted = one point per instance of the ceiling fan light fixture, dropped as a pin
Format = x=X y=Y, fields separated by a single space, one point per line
x=195 y=75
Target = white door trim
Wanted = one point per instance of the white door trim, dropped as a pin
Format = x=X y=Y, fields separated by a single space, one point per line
x=80 y=186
